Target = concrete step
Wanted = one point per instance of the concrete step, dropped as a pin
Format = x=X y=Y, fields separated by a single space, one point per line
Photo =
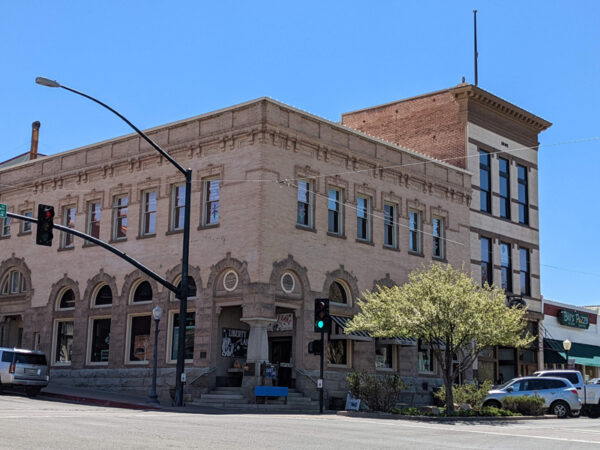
x=223 y=398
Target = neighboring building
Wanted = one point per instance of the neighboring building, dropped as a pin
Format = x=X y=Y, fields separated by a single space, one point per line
x=497 y=143
x=31 y=154
x=579 y=325
x=286 y=207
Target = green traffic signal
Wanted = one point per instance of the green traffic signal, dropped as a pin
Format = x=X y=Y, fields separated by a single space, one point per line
x=320 y=324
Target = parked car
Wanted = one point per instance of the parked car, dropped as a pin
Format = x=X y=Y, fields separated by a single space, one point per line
x=23 y=369
x=594 y=381
x=560 y=396
x=588 y=393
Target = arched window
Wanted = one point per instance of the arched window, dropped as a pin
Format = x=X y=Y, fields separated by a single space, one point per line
x=13 y=283
x=143 y=293
x=338 y=293
x=103 y=296
x=191 y=287
x=67 y=300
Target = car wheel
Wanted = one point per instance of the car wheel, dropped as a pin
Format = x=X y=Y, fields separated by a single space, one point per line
x=560 y=409
x=493 y=404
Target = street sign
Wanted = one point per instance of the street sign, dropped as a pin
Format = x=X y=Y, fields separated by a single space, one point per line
x=2 y=211
x=320 y=383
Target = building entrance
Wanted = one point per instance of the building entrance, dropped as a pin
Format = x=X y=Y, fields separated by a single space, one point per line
x=280 y=353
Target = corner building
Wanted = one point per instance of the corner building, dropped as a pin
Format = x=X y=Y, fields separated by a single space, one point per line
x=497 y=143
x=286 y=207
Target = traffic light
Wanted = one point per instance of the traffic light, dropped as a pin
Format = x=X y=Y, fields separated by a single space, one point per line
x=45 y=224
x=314 y=347
x=322 y=318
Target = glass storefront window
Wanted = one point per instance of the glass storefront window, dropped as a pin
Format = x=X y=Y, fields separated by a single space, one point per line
x=64 y=341
x=139 y=344
x=100 y=340
x=383 y=355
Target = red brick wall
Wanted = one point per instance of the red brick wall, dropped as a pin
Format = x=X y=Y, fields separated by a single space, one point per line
x=431 y=124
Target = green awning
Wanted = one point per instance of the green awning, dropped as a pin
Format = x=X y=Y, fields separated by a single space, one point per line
x=583 y=354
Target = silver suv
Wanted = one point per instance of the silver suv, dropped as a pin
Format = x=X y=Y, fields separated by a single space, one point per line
x=559 y=394
x=23 y=369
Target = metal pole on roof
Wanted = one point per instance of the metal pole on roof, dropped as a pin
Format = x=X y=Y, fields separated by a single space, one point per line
x=475 y=41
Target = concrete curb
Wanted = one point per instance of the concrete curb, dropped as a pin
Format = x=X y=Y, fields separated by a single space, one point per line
x=374 y=415
x=98 y=401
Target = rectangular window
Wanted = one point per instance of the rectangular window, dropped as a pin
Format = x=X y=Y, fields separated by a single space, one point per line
x=139 y=338
x=64 y=341
x=120 y=205
x=68 y=220
x=6 y=227
x=337 y=352
x=486 y=261
x=523 y=195
x=212 y=194
x=439 y=250
x=100 y=340
x=425 y=361
x=525 y=271
x=149 y=213
x=504 y=172
x=383 y=355
x=190 y=326
x=415 y=231
x=485 y=190
x=506 y=265
x=177 y=207
x=93 y=219
x=304 y=216
x=389 y=225
x=26 y=226
x=334 y=206
x=363 y=218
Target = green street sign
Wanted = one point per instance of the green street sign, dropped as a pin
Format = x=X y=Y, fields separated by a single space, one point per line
x=2 y=211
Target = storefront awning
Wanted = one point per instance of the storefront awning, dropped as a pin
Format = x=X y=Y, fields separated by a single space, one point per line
x=342 y=323
x=583 y=354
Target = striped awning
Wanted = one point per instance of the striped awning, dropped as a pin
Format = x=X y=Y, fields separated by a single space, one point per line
x=342 y=322
x=406 y=342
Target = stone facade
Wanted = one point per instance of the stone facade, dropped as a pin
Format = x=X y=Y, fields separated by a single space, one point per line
x=253 y=262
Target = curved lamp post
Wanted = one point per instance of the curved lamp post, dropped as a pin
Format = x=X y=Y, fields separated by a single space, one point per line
x=182 y=293
x=567 y=347
x=156 y=314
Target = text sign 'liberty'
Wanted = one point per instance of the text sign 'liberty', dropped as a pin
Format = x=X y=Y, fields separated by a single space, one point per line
x=574 y=319
x=2 y=211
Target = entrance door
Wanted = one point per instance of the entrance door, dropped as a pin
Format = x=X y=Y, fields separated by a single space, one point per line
x=281 y=354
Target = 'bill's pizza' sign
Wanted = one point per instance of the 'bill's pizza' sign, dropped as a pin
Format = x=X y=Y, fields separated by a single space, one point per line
x=574 y=319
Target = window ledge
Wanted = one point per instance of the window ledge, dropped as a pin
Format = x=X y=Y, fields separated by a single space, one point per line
x=388 y=247
x=146 y=236
x=137 y=363
x=5 y=237
x=96 y=364
x=66 y=249
x=208 y=227
x=420 y=254
x=306 y=228
x=437 y=258
x=364 y=241
x=170 y=232
x=116 y=241
x=24 y=233
x=336 y=235
x=87 y=244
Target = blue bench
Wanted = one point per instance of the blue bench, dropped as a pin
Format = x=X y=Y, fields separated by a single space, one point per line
x=271 y=391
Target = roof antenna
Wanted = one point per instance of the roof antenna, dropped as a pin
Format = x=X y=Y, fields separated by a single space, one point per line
x=475 y=33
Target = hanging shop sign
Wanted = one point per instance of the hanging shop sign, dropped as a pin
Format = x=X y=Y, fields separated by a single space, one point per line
x=235 y=343
x=574 y=319
x=285 y=322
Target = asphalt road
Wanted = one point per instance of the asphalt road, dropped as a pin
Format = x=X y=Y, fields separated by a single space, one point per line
x=37 y=423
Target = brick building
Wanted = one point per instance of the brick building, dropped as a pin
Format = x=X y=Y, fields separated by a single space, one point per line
x=286 y=207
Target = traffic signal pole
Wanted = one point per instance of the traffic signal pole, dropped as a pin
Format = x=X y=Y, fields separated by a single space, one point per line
x=321 y=372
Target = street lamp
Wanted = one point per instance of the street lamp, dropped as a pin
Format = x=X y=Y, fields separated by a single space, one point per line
x=182 y=292
x=567 y=347
x=157 y=314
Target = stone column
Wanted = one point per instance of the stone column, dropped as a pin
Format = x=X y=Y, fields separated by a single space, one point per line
x=258 y=352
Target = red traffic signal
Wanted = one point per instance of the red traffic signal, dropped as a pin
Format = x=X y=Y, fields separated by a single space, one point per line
x=45 y=225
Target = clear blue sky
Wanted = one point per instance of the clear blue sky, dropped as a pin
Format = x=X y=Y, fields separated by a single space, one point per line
x=159 y=61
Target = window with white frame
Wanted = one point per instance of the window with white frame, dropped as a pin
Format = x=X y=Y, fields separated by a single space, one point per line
x=68 y=220
x=66 y=299
x=389 y=225
x=120 y=208
x=438 y=231
x=93 y=219
x=177 y=207
x=305 y=200
x=363 y=218
x=139 y=338
x=415 y=230
x=506 y=266
x=212 y=196
x=148 y=213
x=142 y=293
x=334 y=209
x=13 y=283
x=99 y=340
x=64 y=341
x=103 y=296
x=338 y=293
x=6 y=227
x=192 y=290
x=337 y=352
x=26 y=226
x=425 y=358
x=190 y=327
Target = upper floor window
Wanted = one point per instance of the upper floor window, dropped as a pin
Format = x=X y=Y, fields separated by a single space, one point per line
x=363 y=218
x=414 y=218
x=389 y=225
x=67 y=300
x=93 y=219
x=438 y=232
x=177 y=207
x=524 y=268
x=142 y=293
x=523 y=195
x=504 y=172
x=103 y=296
x=334 y=206
x=212 y=194
x=13 y=283
x=26 y=226
x=68 y=220
x=305 y=200
x=338 y=293
x=506 y=266
x=485 y=190
x=149 y=213
x=486 y=261
x=6 y=227
x=120 y=207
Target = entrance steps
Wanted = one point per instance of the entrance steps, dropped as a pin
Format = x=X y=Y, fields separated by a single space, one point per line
x=231 y=398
